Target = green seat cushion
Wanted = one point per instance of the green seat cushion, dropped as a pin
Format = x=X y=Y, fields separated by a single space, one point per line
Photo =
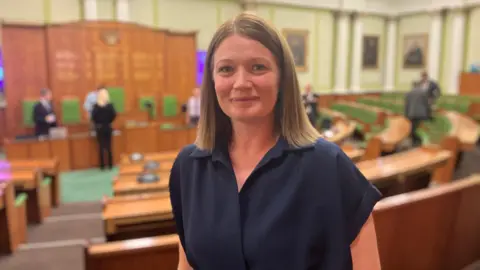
x=117 y=98
x=21 y=199
x=27 y=110
x=170 y=106
x=71 y=111
x=167 y=126
x=46 y=181
x=144 y=100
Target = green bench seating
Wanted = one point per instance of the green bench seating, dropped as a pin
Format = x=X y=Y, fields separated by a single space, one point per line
x=27 y=112
x=71 y=111
x=361 y=114
x=383 y=104
x=434 y=131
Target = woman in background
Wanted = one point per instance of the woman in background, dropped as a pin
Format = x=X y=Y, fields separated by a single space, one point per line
x=103 y=115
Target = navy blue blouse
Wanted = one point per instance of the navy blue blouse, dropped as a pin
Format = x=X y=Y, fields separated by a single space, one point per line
x=301 y=208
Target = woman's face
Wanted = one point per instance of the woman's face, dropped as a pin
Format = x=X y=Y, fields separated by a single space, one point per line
x=246 y=78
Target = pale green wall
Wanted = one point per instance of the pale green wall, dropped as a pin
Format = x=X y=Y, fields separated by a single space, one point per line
x=15 y=11
x=372 y=79
x=473 y=38
x=415 y=24
x=319 y=24
x=446 y=52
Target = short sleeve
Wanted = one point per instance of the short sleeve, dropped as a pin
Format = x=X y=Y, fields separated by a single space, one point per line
x=176 y=198
x=358 y=196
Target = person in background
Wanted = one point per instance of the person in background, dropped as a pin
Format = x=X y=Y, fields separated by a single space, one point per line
x=430 y=87
x=43 y=114
x=103 y=115
x=259 y=188
x=417 y=109
x=91 y=100
x=193 y=108
x=310 y=102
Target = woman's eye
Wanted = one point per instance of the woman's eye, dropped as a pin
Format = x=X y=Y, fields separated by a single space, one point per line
x=259 y=67
x=225 y=69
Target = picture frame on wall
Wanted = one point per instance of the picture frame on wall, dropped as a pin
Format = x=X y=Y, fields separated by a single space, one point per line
x=298 y=42
x=415 y=51
x=370 y=52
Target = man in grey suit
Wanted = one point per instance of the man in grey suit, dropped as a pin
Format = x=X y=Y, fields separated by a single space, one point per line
x=417 y=109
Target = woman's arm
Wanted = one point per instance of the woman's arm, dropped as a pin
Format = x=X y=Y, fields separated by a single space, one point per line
x=182 y=259
x=364 y=249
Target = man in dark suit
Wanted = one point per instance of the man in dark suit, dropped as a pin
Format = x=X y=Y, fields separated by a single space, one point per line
x=417 y=109
x=310 y=102
x=43 y=114
x=430 y=87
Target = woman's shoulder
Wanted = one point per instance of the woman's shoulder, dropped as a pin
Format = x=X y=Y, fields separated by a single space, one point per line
x=325 y=149
x=185 y=155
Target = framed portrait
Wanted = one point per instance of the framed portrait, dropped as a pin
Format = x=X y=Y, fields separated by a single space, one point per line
x=297 y=41
x=415 y=51
x=370 y=52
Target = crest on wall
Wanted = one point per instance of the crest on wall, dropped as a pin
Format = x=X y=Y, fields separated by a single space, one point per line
x=110 y=37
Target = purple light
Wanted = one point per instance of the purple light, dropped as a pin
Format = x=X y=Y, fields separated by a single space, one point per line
x=1 y=71
x=201 y=58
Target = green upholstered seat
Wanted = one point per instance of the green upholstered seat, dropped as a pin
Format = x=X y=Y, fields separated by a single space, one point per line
x=148 y=99
x=27 y=110
x=46 y=181
x=167 y=126
x=117 y=98
x=21 y=199
x=170 y=107
x=70 y=111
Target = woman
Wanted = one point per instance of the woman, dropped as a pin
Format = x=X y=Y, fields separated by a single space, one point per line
x=103 y=115
x=259 y=189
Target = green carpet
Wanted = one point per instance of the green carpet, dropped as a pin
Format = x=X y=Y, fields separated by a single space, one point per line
x=86 y=185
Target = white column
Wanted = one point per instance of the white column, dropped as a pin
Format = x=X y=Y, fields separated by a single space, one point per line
x=456 y=53
x=356 y=67
x=342 y=52
x=435 y=45
x=90 y=10
x=123 y=10
x=390 y=55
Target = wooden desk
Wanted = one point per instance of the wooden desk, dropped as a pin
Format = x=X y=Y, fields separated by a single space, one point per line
x=464 y=128
x=30 y=182
x=133 y=218
x=158 y=156
x=159 y=252
x=49 y=167
x=354 y=153
x=128 y=185
x=13 y=222
x=398 y=130
x=342 y=129
x=126 y=169
x=398 y=167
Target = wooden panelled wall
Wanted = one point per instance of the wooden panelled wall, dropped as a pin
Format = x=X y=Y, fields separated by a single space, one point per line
x=72 y=59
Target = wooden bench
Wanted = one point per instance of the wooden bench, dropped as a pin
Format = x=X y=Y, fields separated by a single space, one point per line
x=31 y=182
x=129 y=169
x=159 y=253
x=49 y=167
x=13 y=218
x=128 y=185
x=464 y=128
x=342 y=130
x=431 y=229
x=131 y=217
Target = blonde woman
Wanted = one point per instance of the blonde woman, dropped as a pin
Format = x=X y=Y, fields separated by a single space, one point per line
x=260 y=189
x=103 y=115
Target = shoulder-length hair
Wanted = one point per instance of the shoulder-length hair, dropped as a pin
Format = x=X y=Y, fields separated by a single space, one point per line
x=291 y=121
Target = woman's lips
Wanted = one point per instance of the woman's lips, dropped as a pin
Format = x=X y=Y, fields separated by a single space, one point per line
x=244 y=99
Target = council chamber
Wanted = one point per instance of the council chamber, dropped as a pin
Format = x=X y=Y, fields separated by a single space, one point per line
x=360 y=68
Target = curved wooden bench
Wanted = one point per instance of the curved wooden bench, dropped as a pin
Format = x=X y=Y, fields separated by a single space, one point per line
x=464 y=128
x=128 y=185
x=430 y=229
x=342 y=129
x=126 y=169
x=398 y=129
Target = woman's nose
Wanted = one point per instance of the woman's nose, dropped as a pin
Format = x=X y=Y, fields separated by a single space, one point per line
x=242 y=79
